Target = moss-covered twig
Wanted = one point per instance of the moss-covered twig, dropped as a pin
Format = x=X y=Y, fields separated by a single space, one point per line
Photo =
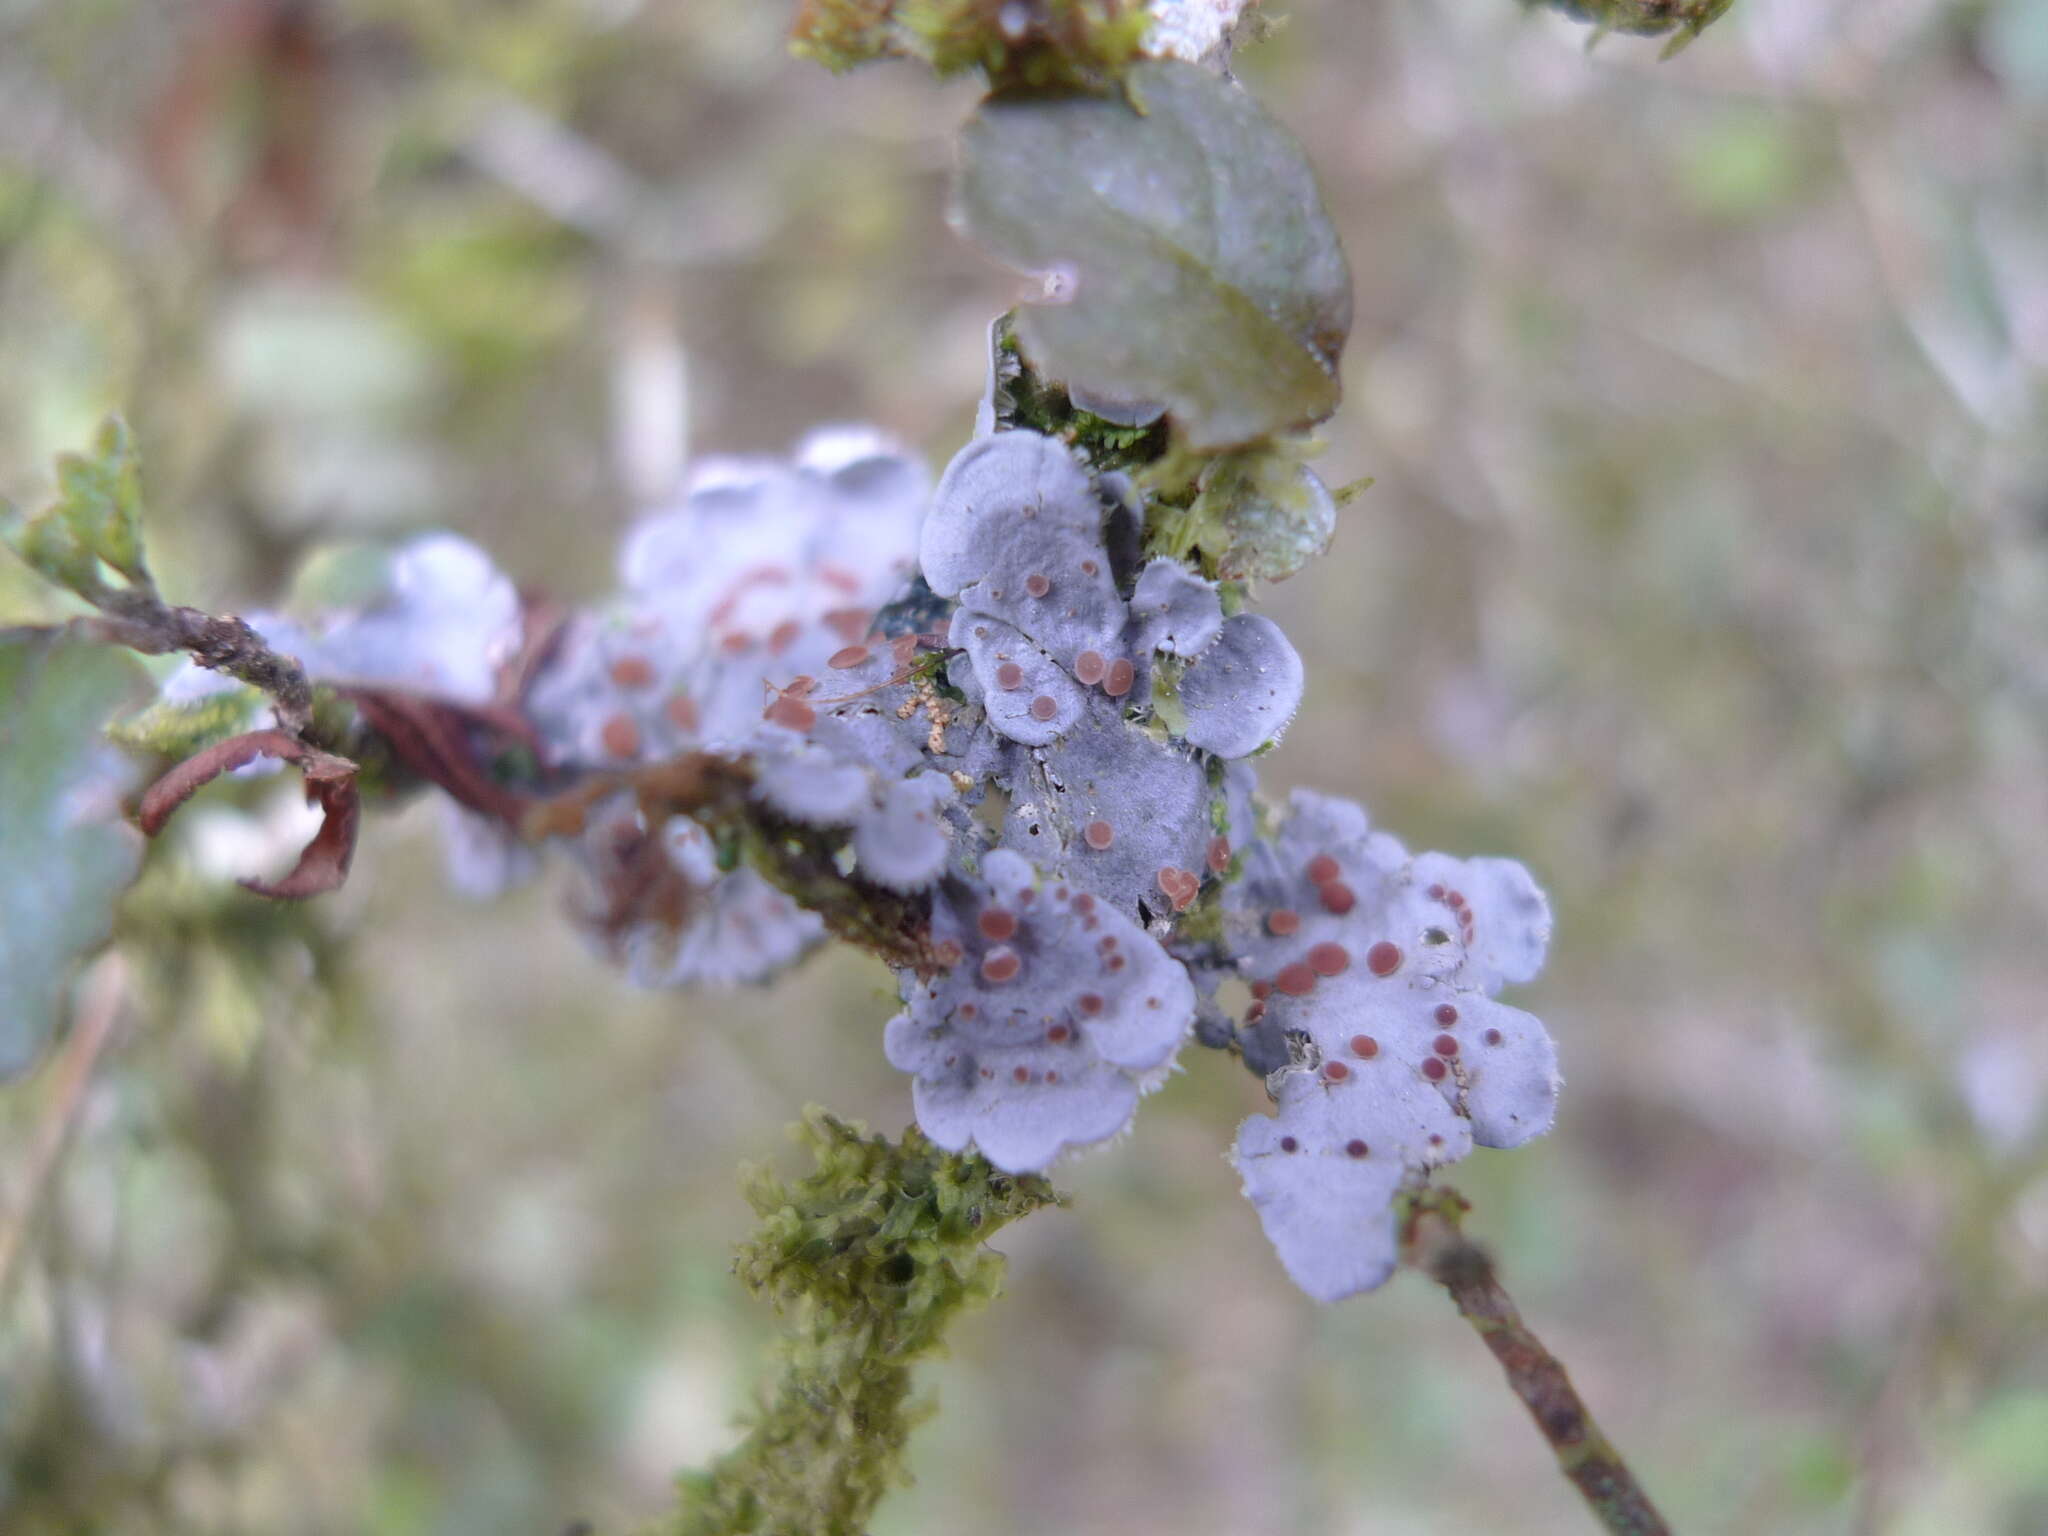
x=1682 y=20
x=1046 y=45
x=870 y=1258
x=1433 y=1241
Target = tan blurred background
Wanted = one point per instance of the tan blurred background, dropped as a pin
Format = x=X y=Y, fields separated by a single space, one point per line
x=1706 y=570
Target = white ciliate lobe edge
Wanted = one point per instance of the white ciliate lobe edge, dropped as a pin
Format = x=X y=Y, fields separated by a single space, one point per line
x=1240 y=693
x=902 y=844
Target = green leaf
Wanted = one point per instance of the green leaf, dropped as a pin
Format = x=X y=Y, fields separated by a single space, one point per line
x=1184 y=244
x=1272 y=513
x=95 y=521
x=65 y=852
x=118 y=468
x=49 y=547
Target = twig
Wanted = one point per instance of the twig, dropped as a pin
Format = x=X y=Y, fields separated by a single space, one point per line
x=228 y=645
x=99 y=1007
x=1433 y=1241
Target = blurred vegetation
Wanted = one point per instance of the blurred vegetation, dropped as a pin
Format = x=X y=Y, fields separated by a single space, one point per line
x=1706 y=569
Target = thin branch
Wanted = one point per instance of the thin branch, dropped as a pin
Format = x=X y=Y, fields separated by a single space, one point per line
x=803 y=862
x=155 y=628
x=99 y=1008
x=1433 y=1241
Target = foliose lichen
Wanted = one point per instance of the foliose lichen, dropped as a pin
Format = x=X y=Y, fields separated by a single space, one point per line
x=1054 y=1014
x=1374 y=1017
x=975 y=731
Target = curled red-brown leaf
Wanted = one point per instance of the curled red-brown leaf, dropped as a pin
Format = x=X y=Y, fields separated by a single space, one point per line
x=330 y=784
x=431 y=737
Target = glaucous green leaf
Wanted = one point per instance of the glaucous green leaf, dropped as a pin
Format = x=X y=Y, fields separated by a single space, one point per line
x=65 y=851
x=1185 y=251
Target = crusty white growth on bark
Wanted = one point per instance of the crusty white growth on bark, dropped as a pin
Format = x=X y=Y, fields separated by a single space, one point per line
x=1199 y=31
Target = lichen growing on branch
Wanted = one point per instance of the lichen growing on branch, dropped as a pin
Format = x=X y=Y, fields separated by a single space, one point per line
x=1001 y=733
x=1034 y=800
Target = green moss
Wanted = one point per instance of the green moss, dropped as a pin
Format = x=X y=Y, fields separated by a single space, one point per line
x=177 y=728
x=1645 y=18
x=810 y=866
x=1252 y=513
x=1058 y=44
x=1249 y=514
x=1026 y=399
x=174 y=729
x=870 y=1259
x=841 y=34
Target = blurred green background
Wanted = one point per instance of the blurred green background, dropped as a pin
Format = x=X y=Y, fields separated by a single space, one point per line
x=1706 y=570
